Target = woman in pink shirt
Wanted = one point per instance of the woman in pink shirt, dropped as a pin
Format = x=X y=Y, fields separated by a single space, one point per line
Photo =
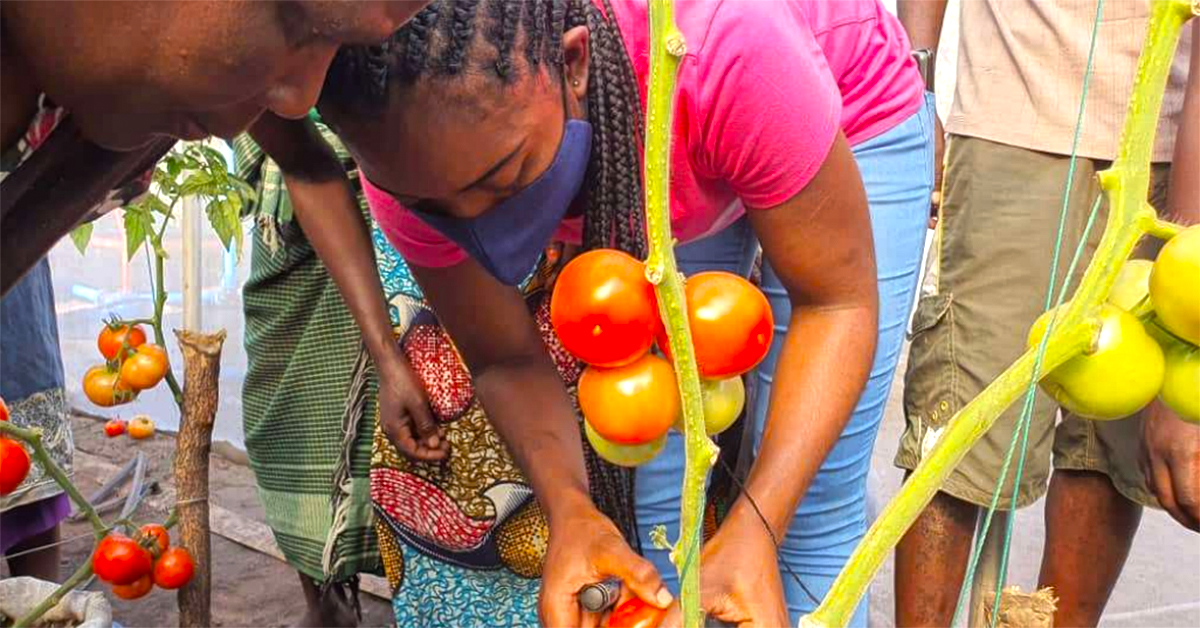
x=486 y=130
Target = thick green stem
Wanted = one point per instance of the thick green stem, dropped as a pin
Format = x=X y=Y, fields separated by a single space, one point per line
x=666 y=49
x=83 y=573
x=33 y=437
x=1126 y=184
x=160 y=302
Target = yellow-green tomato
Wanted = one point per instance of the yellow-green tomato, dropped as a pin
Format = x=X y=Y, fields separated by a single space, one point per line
x=1181 y=381
x=1175 y=285
x=1132 y=284
x=624 y=455
x=723 y=400
x=1120 y=374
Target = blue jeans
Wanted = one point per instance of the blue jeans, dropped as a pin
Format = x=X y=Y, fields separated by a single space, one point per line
x=897 y=172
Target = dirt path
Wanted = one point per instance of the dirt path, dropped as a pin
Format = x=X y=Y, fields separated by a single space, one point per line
x=249 y=588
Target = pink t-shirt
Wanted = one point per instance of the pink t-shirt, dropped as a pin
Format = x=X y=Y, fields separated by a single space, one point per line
x=761 y=94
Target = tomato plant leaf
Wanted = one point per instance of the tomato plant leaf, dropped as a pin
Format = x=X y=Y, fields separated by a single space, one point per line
x=137 y=227
x=224 y=216
x=81 y=235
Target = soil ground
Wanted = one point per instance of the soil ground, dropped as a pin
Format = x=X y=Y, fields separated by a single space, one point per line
x=249 y=588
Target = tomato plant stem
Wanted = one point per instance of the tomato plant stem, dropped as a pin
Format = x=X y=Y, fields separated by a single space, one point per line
x=160 y=302
x=33 y=437
x=1126 y=184
x=666 y=49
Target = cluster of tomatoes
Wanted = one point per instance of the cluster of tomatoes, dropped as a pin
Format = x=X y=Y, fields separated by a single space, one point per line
x=134 y=566
x=14 y=459
x=605 y=313
x=1147 y=345
x=131 y=366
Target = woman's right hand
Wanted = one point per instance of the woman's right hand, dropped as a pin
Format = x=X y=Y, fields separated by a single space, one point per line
x=404 y=413
x=585 y=548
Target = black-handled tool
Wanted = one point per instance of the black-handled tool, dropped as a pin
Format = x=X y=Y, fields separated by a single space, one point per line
x=601 y=596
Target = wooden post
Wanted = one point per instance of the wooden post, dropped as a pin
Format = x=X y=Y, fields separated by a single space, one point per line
x=987 y=572
x=202 y=367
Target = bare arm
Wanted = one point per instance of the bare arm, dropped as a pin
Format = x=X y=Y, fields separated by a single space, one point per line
x=325 y=206
x=922 y=20
x=528 y=405
x=822 y=369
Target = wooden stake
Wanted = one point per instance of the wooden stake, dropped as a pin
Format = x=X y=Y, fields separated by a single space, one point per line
x=202 y=368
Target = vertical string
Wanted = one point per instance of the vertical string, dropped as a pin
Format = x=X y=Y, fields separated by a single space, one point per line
x=1021 y=433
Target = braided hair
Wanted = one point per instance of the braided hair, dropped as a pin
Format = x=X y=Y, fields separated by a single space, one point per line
x=455 y=38
x=451 y=39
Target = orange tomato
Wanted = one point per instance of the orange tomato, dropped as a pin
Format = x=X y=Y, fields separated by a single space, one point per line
x=139 y=588
x=112 y=339
x=104 y=387
x=145 y=368
x=631 y=404
x=603 y=308
x=731 y=324
x=141 y=426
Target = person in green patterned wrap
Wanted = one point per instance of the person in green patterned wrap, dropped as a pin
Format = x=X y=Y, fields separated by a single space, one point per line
x=311 y=392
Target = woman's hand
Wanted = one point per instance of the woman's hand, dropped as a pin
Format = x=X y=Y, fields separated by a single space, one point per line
x=739 y=577
x=585 y=547
x=404 y=413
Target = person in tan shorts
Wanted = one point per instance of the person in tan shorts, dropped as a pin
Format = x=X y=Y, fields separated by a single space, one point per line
x=1019 y=81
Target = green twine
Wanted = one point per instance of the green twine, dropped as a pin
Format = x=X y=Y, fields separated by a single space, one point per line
x=1021 y=434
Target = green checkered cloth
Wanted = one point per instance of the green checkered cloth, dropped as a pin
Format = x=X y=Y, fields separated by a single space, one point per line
x=308 y=386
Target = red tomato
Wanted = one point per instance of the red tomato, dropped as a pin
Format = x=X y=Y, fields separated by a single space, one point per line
x=145 y=368
x=14 y=465
x=634 y=613
x=731 y=324
x=631 y=404
x=3 y=410
x=603 y=308
x=113 y=338
x=140 y=587
x=118 y=559
x=173 y=569
x=160 y=534
x=114 y=428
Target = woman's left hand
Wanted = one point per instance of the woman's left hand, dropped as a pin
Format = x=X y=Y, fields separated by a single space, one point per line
x=739 y=578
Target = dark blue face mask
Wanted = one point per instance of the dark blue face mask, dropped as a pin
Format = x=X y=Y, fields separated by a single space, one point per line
x=508 y=239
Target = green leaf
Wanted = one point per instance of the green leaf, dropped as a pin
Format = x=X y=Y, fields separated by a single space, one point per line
x=81 y=235
x=224 y=217
x=137 y=227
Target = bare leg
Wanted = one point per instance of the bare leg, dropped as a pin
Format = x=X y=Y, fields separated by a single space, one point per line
x=42 y=564
x=1089 y=528
x=331 y=610
x=931 y=560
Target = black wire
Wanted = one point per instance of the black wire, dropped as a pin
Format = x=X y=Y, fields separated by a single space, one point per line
x=774 y=540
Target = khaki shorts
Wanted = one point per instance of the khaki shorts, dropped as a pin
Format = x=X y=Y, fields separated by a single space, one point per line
x=985 y=283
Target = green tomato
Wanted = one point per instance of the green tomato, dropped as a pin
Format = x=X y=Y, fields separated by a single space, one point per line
x=724 y=400
x=1132 y=285
x=1181 y=380
x=1120 y=374
x=1175 y=285
x=624 y=455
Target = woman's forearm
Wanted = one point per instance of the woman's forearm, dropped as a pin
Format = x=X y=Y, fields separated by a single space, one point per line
x=325 y=206
x=333 y=224
x=822 y=370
